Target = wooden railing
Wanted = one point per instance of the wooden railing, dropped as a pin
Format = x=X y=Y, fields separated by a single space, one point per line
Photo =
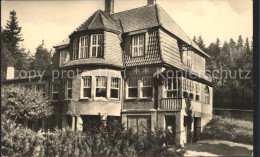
x=170 y=104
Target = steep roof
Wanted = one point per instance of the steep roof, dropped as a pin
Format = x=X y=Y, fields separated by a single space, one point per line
x=152 y=16
x=137 y=19
x=99 y=20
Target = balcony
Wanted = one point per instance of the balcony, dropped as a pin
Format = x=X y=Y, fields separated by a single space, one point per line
x=177 y=104
x=172 y=104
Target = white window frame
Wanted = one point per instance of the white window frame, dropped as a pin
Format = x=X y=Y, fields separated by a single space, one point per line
x=68 y=88
x=55 y=92
x=63 y=59
x=103 y=85
x=172 y=87
x=116 y=86
x=128 y=86
x=84 y=46
x=75 y=47
x=83 y=86
x=137 y=45
x=43 y=91
x=98 y=39
x=150 y=84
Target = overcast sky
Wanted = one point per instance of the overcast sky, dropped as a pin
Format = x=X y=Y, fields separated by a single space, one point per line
x=53 y=21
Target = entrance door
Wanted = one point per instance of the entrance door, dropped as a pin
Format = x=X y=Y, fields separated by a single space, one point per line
x=197 y=128
x=187 y=125
x=170 y=128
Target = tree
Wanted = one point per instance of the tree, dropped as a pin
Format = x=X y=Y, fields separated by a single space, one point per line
x=42 y=58
x=12 y=53
x=19 y=103
x=12 y=33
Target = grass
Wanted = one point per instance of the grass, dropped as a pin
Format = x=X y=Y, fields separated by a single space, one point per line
x=229 y=129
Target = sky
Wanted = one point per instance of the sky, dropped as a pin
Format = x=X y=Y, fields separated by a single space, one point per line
x=53 y=21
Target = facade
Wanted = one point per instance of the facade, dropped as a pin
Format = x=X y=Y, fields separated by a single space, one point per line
x=137 y=66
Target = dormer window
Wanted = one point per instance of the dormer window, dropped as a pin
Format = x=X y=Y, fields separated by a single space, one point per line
x=84 y=46
x=75 y=49
x=186 y=58
x=96 y=45
x=138 y=45
x=87 y=46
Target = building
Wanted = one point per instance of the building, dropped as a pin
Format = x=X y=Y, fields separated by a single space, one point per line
x=137 y=66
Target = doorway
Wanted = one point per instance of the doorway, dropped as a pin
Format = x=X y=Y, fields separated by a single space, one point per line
x=170 y=129
x=197 y=128
x=188 y=130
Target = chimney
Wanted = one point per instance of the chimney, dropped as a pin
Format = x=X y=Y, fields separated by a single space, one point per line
x=151 y=2
x=10 y=73
x=109 y=6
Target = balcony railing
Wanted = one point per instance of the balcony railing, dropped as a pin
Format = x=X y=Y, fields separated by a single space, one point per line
x=170 y=104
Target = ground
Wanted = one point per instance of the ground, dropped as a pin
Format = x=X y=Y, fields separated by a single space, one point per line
x=217 y=148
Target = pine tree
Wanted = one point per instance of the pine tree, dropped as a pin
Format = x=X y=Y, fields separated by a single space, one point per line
x=12 y=33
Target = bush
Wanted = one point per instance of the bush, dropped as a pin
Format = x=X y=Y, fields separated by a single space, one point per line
x=224 y=128
x=112 y=140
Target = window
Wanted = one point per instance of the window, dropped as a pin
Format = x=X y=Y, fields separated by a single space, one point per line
x=197 y=90
x=191 y=89
x=63 y=57
x=147 y=86
x=41 y=88
x=186 y=58
x=101 y=87
x=132 y=87
x=83 y=46
x=69 y=89
x=172 y=86
x=114 y=93
x=138 y=46
x=75 y=49
x=55 y=92
x=185 y=87
x=206 y=92
x=86 y=88
x=51 y=122
x=139 y=124
x=96 y=45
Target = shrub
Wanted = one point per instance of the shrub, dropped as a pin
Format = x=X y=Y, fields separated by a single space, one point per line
x=223 y=128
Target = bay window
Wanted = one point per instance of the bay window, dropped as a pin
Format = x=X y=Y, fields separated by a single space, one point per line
x=114 y=93
x=55 y=92
x=75 y=49
x=147 y=86
x=132 y=87
x=96 y=45
x=172 y=88
x=138 y=45
x=86 y=88
x=83 y=46
x=41 y=88
x=69 y=89
x=101 y=87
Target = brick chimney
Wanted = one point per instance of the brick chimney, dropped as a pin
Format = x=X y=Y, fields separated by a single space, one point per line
x=109 y=6
x=10 y=73
x=151 y=2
